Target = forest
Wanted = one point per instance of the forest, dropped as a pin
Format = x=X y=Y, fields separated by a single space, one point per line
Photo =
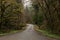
x=43 y=13
x=48 y=16
x=11 y=15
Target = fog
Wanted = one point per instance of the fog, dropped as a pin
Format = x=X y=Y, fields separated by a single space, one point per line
x=27 y=3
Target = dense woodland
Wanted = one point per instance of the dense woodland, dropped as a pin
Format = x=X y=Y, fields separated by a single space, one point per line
x=11 y=15
x=47 y=15
x=44 y=13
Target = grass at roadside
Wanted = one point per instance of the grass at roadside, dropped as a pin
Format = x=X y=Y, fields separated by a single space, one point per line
x=46 y=33
x=12 y=32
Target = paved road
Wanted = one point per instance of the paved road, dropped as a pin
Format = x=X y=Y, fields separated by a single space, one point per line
x=28 y=34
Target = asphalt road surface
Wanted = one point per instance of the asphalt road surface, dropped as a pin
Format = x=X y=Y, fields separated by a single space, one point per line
x=28 y=34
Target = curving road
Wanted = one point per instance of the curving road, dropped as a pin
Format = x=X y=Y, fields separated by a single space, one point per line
x=28 y=34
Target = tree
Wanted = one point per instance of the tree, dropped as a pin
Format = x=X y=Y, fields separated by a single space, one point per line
x=11 y=16
x=50 y=11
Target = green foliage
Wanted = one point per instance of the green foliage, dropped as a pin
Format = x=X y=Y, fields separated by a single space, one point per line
x=38 y=16
x=50 y=14
x=10 y=16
